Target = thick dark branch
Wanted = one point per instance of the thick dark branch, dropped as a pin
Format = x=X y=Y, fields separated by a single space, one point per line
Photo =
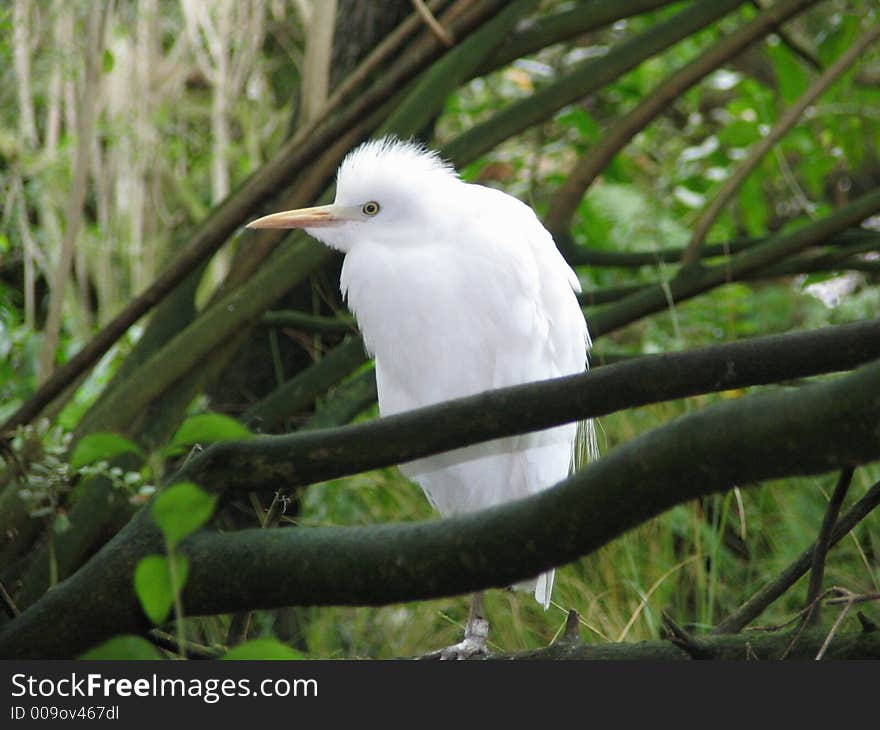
x=303 y=458
x=565 y=25
x=694 y=280
x=565 y=201
x=585 y=256
x=847 y=258
x=585 y=78
x=767 y=646
x=784 y=433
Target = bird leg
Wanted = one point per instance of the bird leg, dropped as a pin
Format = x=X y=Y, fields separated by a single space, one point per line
x=475 y=634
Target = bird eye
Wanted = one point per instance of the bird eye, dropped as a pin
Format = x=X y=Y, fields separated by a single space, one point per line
x=370 y=208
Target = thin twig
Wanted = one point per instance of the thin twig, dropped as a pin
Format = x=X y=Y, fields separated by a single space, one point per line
x=823 y=541
x=756 y=605
x=803 y=615
x=855 y=598
x=684 y=639
x=193 y=650
x=827 y=642
x=11 y=608
x=438 y=30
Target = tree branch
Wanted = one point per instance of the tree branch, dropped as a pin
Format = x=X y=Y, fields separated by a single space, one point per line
x=310 y=322
x=585 y=256
x=784 y=433
x=585 y=78
x=303 y=458
x=764 y=646
x=307 y=385
x=565 y=25
x=565 y=201
x=693 y=280
x=788 y=119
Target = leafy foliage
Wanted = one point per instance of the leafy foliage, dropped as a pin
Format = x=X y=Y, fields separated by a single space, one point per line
x=181 y=509
x=157 y=581
x=207 y=428
x=101 y=447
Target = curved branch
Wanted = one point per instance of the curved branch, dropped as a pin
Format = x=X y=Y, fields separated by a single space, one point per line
x=695 y=280
x=567 y=24
x=839 y=260
x=762 y=147
x=303 y=458
x=805 y=431
x=567 y=198
x=585 y=256
x=585 y=78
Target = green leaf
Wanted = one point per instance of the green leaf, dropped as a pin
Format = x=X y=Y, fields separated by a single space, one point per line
x=101 y=447
x=739 y=133
x=793 y=80
x=109 y=61
x=753 y=204
x=208 y=428
x=181 y=509
x=262 y=649
x=153 y=585
x=125 y=646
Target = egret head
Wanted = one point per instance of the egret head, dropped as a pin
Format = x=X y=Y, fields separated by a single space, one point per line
x=386 y=190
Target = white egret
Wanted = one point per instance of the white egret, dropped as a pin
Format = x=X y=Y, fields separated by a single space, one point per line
x=457 y=289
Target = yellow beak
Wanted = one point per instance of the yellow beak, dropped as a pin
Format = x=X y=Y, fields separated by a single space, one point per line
x=322 y=215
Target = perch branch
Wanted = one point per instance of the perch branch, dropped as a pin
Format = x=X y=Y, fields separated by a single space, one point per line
x=783 y=433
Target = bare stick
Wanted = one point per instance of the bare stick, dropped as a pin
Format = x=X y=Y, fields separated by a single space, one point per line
x=827 y=642
x=438 y=30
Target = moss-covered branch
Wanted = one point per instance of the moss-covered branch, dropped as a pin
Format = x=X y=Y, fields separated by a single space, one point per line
x=766 y=646
x=303 y=458
x=585 y=78
x=567 y=24
x=802 y=431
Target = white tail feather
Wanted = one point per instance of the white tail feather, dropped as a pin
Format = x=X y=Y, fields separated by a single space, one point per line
x=544 y=588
